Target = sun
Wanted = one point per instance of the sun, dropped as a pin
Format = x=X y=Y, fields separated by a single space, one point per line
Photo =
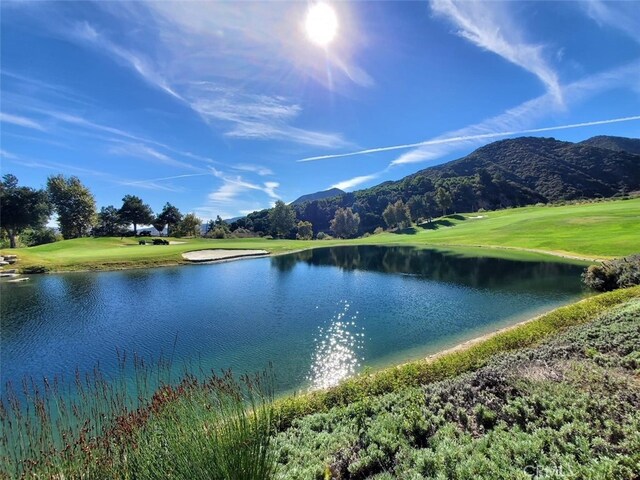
x=321 y=24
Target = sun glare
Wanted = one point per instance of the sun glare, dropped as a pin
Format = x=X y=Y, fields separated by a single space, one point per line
x=321 y=24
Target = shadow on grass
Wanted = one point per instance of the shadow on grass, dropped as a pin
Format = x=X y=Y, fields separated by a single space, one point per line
x=456 y=216
x=406 y=231
x=436 y=224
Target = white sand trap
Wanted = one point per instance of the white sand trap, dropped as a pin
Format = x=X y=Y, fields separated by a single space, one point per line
x=213 y=255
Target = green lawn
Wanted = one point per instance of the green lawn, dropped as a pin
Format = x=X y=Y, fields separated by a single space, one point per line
x=607 y=229
x=590 y=231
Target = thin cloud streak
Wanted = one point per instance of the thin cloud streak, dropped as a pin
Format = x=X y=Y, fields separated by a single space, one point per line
x=354 y=182
x=465 y=138
x=21 y=121
x=490 y=27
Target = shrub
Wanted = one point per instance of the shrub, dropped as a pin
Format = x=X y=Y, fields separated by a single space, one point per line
x=378 y=230
x=40 y=236
x=619 y=273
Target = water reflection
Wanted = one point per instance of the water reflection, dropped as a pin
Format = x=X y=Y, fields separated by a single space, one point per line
x=337 y=347
x=478 y=272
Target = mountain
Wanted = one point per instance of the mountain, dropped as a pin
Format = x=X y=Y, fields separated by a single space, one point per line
x=618 y=144
x=333 y=192
x=507 y=173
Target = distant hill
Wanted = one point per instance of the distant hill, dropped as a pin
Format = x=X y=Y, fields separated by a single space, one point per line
x=507 y=173
x=318 y=196
x=618 y=144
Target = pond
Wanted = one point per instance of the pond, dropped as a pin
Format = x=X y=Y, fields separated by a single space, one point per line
x=318 y=316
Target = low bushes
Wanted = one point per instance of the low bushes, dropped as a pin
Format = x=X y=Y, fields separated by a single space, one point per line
x=619 y=273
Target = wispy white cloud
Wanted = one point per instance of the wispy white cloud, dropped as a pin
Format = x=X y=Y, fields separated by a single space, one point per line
x=258 y=117
x=234 y=195
x=252 y=168
x=251 y=116
x=8 y=155
x=145 y=152
x=86 y=33
x=623 y=16
x=355 y=181
x=21 y=121
x=490 y=26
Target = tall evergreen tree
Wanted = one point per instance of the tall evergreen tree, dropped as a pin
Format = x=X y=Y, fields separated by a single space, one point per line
x=136 y=212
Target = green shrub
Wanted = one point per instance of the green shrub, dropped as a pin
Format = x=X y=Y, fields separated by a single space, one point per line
x=613 y=274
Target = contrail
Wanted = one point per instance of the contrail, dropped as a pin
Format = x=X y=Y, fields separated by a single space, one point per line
x=166 y=178
x=439 y=141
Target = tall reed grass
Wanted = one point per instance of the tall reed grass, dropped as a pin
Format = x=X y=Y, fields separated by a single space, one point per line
x=139 y=424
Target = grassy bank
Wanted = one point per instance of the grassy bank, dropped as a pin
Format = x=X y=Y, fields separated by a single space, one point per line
x=179 y=424
x=590 y=231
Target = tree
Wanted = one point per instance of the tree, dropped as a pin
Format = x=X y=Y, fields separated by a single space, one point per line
x=171 y=216
x=190 y=225
x=74 y=204
x=135 y=211
x=282 y=219
x=397 y=215
x=158 y=223
x=109 y=222
x=443 y=199
x=345 y=223
x=21 y=207
x=305 y=231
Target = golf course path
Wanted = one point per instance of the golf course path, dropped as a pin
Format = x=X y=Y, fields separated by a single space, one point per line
x=217 y=255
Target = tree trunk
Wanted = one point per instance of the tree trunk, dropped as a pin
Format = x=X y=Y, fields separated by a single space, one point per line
x=12 y=238
x=135 y=230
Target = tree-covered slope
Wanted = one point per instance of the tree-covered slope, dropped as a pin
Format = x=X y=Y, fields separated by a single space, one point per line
x=514 y=172
x=332 y=192
x=618 y=144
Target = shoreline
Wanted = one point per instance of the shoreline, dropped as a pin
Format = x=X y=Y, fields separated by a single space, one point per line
x=181 y=260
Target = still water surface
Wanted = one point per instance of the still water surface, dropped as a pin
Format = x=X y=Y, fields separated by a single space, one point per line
x=318 y=315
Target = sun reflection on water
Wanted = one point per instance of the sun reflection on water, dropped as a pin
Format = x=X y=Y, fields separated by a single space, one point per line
x=336 y=354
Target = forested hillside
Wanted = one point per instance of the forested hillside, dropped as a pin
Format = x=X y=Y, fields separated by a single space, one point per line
x=514 y=172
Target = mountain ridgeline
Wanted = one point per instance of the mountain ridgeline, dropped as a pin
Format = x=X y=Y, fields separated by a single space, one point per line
x=507 y=173
x=332 y=192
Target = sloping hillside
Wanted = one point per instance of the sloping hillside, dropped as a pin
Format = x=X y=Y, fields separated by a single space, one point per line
x=514 y=172
x=618 y=144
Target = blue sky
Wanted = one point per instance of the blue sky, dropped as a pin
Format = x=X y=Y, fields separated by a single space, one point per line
x=221 y=108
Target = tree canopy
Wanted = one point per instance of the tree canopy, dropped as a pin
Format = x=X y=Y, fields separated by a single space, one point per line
x=345 y=223
x=282 y=219
x=109 y=222
x=136 y=212
x=21 y=208
x=170 y=216
x=74 y=204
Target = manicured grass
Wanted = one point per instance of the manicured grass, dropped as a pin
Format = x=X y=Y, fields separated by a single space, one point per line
x=589 y=231
x=602 y=230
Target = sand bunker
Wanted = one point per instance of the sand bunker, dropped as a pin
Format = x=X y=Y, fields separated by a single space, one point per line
x=213 y=255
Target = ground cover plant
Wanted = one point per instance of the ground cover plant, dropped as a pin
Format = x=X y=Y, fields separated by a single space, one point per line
x=569 y=408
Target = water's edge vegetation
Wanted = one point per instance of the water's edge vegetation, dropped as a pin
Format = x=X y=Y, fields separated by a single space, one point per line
x=180 y=423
